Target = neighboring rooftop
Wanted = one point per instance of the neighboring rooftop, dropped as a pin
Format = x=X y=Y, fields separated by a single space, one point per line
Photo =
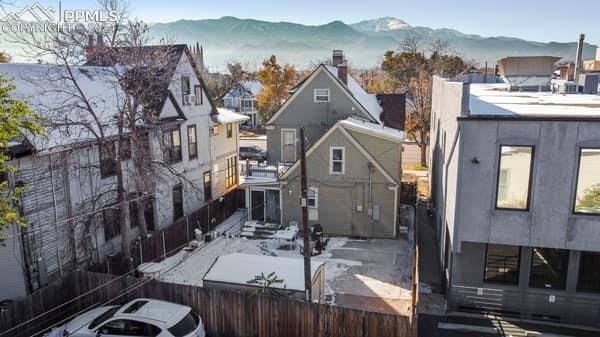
x=368 y=101
x=253 y=86
x=496 y=100
x=225 y=116
x=240 y=268
x=375 y=129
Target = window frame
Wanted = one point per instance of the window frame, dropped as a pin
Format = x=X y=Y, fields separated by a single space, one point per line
x=573 y=209
x=108 y=166
x=195 y=144
x=115 y=228
x=579 y=288
x=199 y=100
x=207 y=185
x=315 y=196
x=485 y=265
x=229 y=128
x=331 y=160
x=529 y=182
x=531 y=269
x=315 y=95
x=231 y=172
x=185 y=82
x=172 y=149
x=178 y=212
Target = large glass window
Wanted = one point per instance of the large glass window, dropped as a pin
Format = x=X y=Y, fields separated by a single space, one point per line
x=514 y=175
x=171 y=140
x=231 y=172
x=589 y=272
x=207 y=186
x=192 y=142
x=587 y=199
x=549 y=268
x=108 y=164
x=502 y=264
x=177 y=201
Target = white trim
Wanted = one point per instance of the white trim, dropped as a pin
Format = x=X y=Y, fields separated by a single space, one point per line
x=315 y=190
x=295 y=145
x=396 y=210
x=344 y=89
x=315 y=95
x=331 y=160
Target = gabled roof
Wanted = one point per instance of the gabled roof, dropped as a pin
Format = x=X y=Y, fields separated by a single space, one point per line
x=226 y=116
x=252 y=86
x=353 y=90
x=362 y=127
x=171 y=53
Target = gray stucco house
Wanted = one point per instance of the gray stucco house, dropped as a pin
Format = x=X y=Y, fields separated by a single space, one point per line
x=354 y=143
x=515 y=185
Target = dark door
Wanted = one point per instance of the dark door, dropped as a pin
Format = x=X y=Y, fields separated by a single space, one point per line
x=272 y=206
x=257 y=201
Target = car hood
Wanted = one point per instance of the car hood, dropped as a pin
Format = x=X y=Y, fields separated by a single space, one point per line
x=85 y=318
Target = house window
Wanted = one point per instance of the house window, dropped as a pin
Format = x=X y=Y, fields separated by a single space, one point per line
x=177 y=201
x=229 y=130
x=207 y=186
x=108 y=164
x=125 y=151
x=549 y=268
x=192 y=142
x=231 y=172
x=112 y=226
x=172 y=146
x=247 y=104
x=587 y=198
x=198 y=94
x=228 y=102
x=514 y=177
x=321 y=95
x=313 y=197
x=502 y=264
x=214 y=130
x=337 y=160
x=589 y=272
x=185 y=88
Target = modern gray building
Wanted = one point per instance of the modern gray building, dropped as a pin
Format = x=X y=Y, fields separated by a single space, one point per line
x=516 y=191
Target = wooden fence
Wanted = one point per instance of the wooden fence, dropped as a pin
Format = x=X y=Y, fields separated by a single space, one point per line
x=168 y=241
x=224 y=313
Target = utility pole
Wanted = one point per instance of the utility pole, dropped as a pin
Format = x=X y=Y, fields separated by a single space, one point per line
x=305 y=230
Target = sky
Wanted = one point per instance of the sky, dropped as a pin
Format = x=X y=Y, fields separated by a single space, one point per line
x=538 y=20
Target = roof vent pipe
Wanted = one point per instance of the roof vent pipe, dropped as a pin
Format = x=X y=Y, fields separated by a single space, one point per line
x=578 y=58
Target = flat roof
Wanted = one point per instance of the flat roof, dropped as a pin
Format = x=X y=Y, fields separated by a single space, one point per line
x=491 y=100
x=238 y=268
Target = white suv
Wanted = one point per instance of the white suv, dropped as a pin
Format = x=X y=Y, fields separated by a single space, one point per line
x=140 y=317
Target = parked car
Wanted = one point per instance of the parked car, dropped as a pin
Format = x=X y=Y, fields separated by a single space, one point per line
x=252 y=153
x=140 y=317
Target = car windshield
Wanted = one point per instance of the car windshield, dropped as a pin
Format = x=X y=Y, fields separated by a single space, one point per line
x=106 y=315
x=187 y=325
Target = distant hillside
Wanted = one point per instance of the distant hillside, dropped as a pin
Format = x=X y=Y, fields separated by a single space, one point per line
x=364 y=43
x=251 y=41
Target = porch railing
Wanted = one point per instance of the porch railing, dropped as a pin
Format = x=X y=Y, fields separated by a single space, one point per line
x=258 y=170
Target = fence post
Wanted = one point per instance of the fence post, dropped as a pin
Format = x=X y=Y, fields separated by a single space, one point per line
x=141 y=253
x=164 y=245
x=187 y=227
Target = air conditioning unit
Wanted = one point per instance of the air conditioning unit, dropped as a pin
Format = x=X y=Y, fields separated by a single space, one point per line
x=188 y=99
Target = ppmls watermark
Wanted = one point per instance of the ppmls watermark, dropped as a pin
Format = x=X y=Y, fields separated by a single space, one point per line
x=36 y=18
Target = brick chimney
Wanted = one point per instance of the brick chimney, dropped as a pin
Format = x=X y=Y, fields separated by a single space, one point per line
x=338 y=57
x=342 y=69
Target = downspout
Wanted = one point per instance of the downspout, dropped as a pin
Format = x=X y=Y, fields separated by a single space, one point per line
x=370 y=202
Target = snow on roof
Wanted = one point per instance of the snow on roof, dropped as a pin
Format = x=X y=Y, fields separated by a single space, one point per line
x=495 y=100
x=368 y=101
x=225 y=116
x=362 y=125
x=240 y=268
x=253 y=86
x=49 y=92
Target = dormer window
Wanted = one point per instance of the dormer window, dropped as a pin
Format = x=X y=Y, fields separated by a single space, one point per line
x=185 y=90
x=321 y=95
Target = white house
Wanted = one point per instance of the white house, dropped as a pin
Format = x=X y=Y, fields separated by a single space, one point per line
x=242 y=98
x=70 y=196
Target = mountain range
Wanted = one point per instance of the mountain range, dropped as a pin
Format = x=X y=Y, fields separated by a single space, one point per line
x=364 y=43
